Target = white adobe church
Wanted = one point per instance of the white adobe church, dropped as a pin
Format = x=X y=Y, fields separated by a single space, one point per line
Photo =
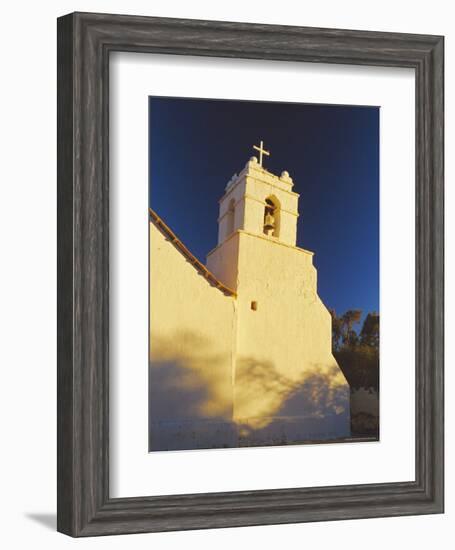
x=240 y=348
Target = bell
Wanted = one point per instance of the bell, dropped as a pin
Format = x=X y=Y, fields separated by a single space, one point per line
x=269 y=222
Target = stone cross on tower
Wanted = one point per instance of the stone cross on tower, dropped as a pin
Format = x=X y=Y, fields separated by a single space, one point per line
x=262 y=151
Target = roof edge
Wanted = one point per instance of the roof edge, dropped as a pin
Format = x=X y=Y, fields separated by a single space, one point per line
x=197 y=264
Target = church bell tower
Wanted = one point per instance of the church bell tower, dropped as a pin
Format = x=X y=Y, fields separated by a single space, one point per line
x=256 y=203
x=259 y=202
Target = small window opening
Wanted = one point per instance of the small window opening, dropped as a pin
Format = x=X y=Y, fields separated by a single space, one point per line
x=254 y=305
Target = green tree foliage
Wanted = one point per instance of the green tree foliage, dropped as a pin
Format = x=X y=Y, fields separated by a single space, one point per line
x=357 y=353
x=369 y=335
x=343 y=332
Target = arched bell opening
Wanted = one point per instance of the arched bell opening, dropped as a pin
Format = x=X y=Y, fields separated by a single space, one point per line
x=230 y=217
x=271 y=226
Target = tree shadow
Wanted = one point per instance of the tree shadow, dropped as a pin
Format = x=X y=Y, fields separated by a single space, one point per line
x=195 y=402
x=176 y=391
x=261 y=392
x=190 y=394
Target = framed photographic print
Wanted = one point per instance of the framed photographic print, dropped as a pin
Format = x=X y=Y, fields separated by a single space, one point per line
x=241 y=344
x=250 y=254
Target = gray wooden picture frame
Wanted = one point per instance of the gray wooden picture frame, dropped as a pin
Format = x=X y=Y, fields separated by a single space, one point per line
x=85 y=41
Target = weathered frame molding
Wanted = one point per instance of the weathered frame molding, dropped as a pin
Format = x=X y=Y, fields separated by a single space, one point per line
x=84 y=43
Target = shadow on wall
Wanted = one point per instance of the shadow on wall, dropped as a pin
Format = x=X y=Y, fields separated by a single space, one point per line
x=188 y=379
x=190 y=394
x=271 y=409
x=261 y=391
x=193 y=402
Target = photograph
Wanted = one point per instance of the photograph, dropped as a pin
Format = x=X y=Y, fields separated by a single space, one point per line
x=264 y=306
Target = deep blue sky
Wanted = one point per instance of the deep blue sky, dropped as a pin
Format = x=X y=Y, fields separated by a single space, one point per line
x=331 y=152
